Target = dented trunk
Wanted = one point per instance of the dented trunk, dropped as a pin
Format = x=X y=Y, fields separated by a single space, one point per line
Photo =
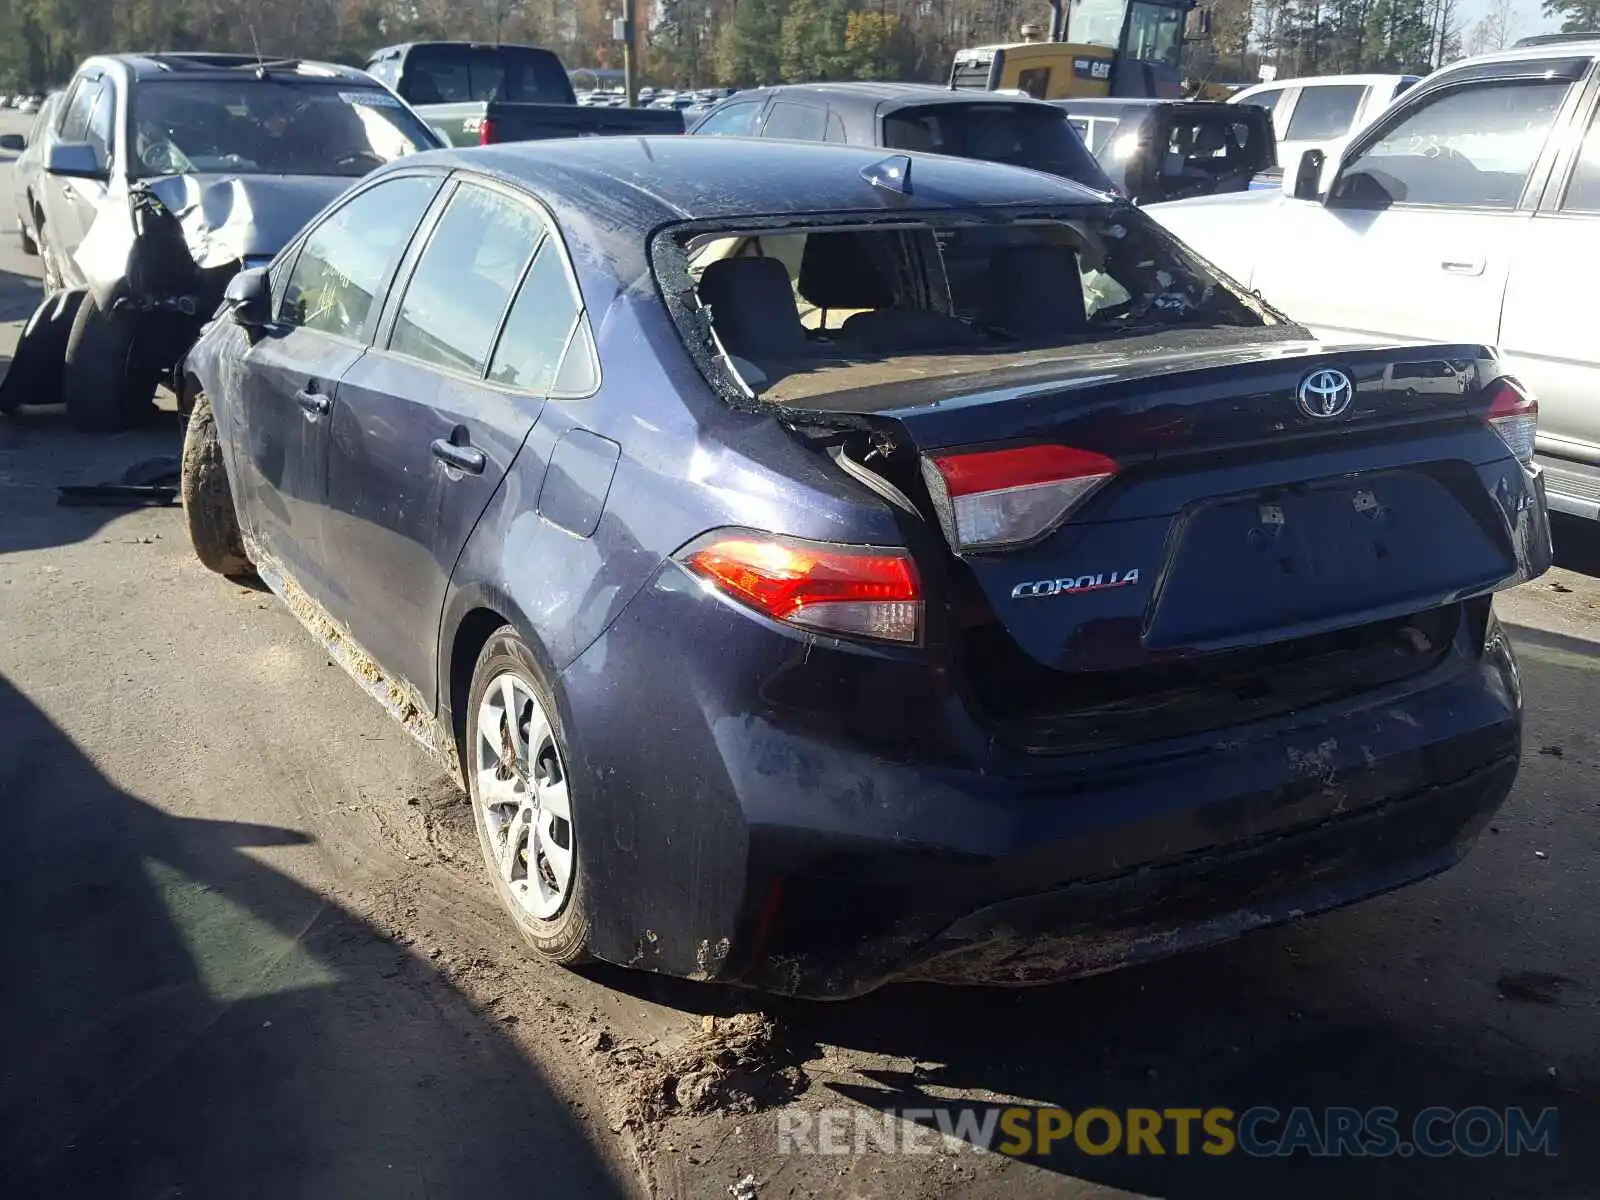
x=1211 y=547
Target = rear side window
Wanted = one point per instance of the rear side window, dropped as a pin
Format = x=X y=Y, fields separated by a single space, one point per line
x=736 y=120
x=539 y=327
x=346 y=258
x=521 y=75
x=1473 y=148
x=797 y=122
x=1583 y=192
x=1325 y=112
x=1037 y=136
x=465 y=278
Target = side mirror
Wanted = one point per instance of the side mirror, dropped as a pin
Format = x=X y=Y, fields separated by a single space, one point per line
x=13 y=142
x=74 y=160
x=249 y=298
x=1306 y=181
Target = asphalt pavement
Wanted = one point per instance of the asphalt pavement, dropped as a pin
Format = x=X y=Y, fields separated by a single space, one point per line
x=247 y=951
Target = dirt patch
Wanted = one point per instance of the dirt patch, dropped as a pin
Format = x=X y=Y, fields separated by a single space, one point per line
x=737 y=1064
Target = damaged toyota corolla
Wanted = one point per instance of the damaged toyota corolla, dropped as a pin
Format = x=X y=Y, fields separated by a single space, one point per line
x=164 y=175
x=823 y=569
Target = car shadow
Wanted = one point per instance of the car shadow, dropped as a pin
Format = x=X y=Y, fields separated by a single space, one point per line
x=179 y=1018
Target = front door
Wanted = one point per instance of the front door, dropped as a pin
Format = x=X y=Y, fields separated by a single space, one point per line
x=293 y=370
x=70 y=204
x=427 y=425
x=1416 y=239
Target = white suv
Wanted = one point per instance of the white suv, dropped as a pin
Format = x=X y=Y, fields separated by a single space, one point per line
x=1469 y=212
x=1323 y=111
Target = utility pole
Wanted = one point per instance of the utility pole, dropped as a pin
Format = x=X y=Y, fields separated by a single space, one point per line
x=623 y=31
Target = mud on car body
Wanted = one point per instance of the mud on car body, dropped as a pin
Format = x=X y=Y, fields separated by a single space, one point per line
x=164 y=174
x=824 y=568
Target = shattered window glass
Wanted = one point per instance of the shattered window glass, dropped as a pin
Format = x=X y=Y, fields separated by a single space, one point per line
x=782 y=302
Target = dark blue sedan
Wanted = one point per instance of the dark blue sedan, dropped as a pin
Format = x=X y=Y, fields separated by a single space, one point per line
x=824 y=566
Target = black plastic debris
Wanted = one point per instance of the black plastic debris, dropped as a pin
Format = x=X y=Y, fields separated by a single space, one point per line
x=152 y=483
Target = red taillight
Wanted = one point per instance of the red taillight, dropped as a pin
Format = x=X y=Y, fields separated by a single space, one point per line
x=859 y=591
x=486 y=133
x=993 y=499
x=1514 y=415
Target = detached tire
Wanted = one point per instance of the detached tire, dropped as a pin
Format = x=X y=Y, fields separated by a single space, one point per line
x=207 y=499
x=522 y=805
x=104 y=388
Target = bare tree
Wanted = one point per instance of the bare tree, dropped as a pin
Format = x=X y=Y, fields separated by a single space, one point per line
x=1496 y=30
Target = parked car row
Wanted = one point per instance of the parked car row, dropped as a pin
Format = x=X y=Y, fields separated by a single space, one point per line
x=851 y=543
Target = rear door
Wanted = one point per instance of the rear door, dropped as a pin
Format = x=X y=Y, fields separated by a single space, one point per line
x=427 y=424
x=1548 y=337
x=795 y=121
x=1425 y=218
x=290 y=382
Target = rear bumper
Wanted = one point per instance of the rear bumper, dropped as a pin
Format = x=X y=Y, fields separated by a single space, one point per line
x=818 y=822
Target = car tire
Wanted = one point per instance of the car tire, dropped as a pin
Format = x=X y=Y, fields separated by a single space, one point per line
x=29 y=246
x=103 y=386
x=208 y=510
x=518 y=799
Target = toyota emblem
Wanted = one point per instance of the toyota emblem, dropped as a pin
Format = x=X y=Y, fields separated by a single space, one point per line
x=1325 y=393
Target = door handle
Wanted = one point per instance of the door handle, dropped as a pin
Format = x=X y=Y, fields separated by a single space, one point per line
x=462 y=458
x=1460 y=266
x=317 y=404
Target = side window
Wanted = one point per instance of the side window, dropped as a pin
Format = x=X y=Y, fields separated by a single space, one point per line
x=75 y=121
x=835 y=129
x=1583 y=192
x=1472 y=147
x=385 y=71
x=737 y=120
x=102 y=123
x=1325 y=112
x=796 y=122
x=539 y=327
x=1268 y=99
x=464 y=278
x=1035 y=81
x=344 y=260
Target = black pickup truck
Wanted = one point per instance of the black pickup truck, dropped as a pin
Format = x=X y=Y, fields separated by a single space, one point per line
x=475 y=94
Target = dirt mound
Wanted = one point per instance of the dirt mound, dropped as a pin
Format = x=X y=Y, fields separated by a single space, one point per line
x=737 y=1064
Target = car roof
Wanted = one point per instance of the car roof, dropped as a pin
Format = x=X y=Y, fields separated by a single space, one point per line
x=887 y=96
x=1576 y=48
x=194 y=65
x=641 y=183
x=1323 y=81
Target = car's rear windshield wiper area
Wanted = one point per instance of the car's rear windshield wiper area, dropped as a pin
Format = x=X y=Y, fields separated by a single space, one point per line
x=833 y=305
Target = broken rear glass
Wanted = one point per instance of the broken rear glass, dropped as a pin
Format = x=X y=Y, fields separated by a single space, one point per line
x=803 y=310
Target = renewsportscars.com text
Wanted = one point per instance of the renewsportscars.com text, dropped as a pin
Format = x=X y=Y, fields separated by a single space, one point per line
x=1259 y=1132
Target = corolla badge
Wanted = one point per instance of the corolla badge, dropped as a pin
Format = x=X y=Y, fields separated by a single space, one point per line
x=1071 y=586
x=1325 y=393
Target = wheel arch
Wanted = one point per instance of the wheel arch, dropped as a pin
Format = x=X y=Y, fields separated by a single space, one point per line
x=471 y=617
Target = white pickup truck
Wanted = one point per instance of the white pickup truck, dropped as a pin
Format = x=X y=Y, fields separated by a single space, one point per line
x=1468 y=212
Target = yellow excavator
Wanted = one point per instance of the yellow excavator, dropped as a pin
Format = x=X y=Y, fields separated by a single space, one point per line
x=1107 y=48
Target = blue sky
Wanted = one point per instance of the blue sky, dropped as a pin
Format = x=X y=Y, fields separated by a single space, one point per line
x=1530 y=17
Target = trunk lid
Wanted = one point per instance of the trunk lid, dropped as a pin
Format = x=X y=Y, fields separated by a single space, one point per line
x=1237 y=512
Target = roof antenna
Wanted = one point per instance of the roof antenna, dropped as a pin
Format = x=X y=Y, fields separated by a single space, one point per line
x=261 y=63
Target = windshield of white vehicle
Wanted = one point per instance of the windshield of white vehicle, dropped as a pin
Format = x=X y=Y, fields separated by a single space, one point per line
x=927 y=299
x=268 y=127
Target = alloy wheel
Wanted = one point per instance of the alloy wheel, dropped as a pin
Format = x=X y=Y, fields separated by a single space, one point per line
x=522 y=789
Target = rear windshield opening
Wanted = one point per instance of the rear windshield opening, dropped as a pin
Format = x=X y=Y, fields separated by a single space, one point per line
x=517 y=74
x=1037 y=136
x=802 y=311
